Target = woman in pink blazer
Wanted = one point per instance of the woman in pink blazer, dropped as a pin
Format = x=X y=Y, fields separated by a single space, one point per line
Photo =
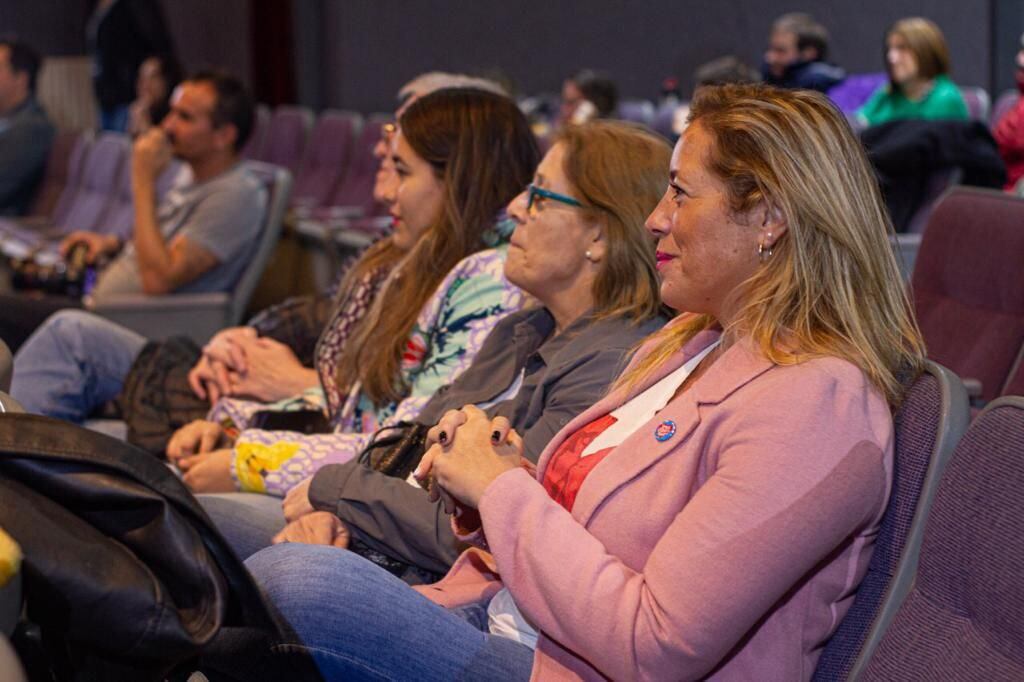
x=714 y=514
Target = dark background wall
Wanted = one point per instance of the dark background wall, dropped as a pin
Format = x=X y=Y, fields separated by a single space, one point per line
x=354 y=54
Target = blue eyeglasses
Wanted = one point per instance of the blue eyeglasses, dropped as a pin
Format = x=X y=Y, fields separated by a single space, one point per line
x=533 y=192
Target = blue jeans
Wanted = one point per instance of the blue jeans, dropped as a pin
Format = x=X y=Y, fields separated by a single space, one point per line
x=73 y=364
x=357 y=621
x=248 y=521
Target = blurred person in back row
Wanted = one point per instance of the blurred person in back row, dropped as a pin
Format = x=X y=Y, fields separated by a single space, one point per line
x=25 y=131
x=797 y=53
x=199 y=237
x=1009 y=129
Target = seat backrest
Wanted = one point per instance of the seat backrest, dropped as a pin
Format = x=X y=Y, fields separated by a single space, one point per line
x=978 y=102
x=851 y=93
x=75 y=171
x=287 y=133
x=636 y=110
x=356 y=187
x=327 y=157
x=278 y=182
x=968 y=284
x=1006 y=101
x=253 y=148
x=101 y=176
x=928 y=425
x=1015 y=383
x=937 y=183
x=962 y=620
x=55 y=174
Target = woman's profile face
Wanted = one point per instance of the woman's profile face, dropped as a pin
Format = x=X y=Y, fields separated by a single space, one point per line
x=902 y=61
x=704 y=251
x=547 y=251
x=418 y=195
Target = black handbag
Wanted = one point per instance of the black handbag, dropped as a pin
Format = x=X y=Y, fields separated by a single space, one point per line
x=396 y=450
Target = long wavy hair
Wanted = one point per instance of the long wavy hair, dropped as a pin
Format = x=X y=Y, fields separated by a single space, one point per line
x=832 y=286
x=617 y=169
x=481 y=149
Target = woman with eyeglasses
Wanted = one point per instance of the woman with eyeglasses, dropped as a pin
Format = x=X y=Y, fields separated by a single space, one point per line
x=579 y=249
x=713 y=515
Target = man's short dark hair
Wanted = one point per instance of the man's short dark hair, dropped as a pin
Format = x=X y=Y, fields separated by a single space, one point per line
x=599 y=89
x=234 y=103
x=808 y=32
x=23 y=59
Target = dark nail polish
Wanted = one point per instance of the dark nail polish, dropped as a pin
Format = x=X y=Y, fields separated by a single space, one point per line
x=495 y=435
x=442 y=437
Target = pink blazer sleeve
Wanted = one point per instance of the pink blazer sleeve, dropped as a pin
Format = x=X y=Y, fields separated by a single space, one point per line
x=793 y=469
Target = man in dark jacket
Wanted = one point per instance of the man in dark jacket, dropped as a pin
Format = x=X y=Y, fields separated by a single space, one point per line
x=25 y=132
x=796 y=54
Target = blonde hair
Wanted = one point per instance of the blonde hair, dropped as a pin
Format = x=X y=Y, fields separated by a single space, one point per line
x=925 y=40
x=832 y=286
x=617 y=170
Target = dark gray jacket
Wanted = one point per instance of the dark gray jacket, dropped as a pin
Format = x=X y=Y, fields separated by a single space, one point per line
x=562 y=376
x=25 y=138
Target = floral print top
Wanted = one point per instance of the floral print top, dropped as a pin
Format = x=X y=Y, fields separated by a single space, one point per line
x=449 y=332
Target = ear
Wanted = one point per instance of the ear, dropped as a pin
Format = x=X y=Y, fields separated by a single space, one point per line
x=597 y=244
x=773 y=225
x=225 y=136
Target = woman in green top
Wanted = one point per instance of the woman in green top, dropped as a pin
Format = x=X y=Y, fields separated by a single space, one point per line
x=917 y=60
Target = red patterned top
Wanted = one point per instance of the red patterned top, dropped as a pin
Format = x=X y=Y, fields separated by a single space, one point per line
x=567 y=469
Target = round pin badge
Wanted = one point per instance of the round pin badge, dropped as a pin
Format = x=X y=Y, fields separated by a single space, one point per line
x=665 y=430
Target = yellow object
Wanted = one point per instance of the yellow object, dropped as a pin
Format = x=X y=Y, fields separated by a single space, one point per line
x=253 y=459
x=10 y=558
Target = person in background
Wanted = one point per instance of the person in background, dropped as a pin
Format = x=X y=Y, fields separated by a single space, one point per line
x=120 y=35
x=1009 y=130
x=25 y=131
x=797 y=53
x=917 y=62
x=699 y=520
x=587 y=95
x=159 y=75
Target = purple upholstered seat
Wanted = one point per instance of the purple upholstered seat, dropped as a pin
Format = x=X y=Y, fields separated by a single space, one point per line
x=968 y=285
x=62 y=167
x=355 y=192
x=929 y=423
x=253 y=148
x=636 y=110
x=964 y=617
x=978 y=102
x=327 y=158
x=1007 y=101
x=285 y=141
x=101 y=176
x=851 y=94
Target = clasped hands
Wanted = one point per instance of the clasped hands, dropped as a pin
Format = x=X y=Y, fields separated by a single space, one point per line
x=237 y=362
x=467 y=451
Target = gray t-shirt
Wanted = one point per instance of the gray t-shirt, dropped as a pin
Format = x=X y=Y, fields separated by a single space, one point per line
x=222 y=215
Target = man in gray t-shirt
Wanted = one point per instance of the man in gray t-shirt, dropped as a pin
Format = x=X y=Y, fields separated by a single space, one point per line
x=203 y=233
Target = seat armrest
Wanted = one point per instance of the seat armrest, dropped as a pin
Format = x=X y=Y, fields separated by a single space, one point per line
x=198 y=316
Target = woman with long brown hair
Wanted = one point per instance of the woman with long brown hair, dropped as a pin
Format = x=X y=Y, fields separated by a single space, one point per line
x=460 y=155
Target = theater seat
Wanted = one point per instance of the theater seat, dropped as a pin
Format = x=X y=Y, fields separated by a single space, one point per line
x=199 y=316
x=962 y=619
x=968 y=285
x=928 y=426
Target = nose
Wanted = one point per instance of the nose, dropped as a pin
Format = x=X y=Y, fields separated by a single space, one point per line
x=659 y=222
x=386 y=185
x=516 y=208
x=892 y=54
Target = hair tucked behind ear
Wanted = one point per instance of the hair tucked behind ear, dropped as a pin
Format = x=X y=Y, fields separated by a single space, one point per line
x=832 y=287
